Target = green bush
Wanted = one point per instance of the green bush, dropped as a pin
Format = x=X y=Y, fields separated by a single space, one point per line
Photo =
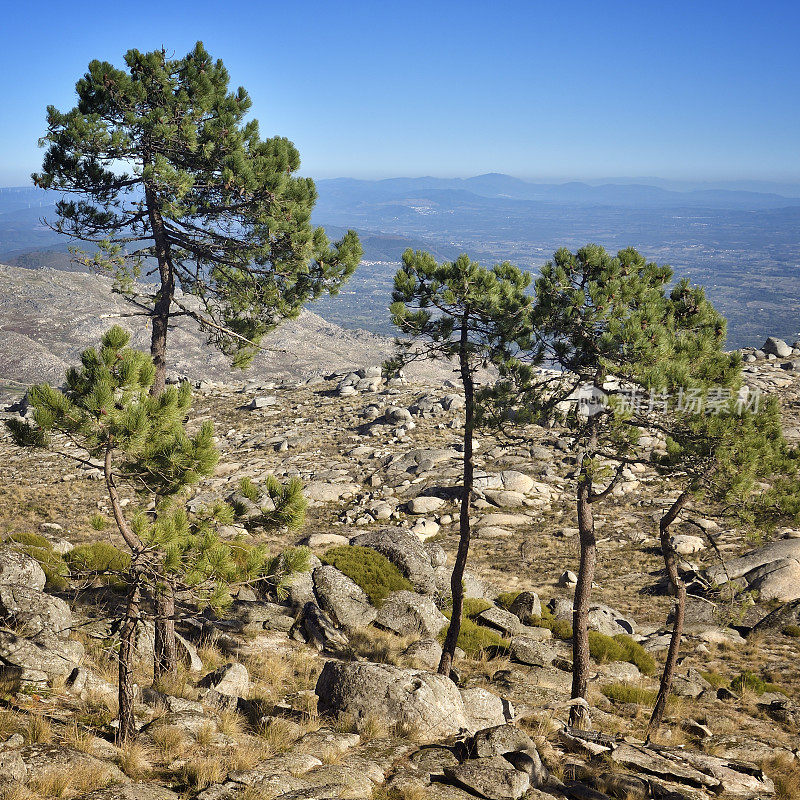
x=473 y=639
x=373 y=572
x=506 y=599
x=100 y=557
x=472 y=607
x=716 y=680
x=791 y=630
x=36 y=546
x=620 y=648
x=750 y=681
x=625 y=693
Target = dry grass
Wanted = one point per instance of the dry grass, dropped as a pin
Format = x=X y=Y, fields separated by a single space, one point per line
x=373 y=727
x=10 y=723
x=199 y=773
x=177 y=683
x=78 y=779
x=245 y=755
x=205 y=735
x=78 y=738
x=278 y=735
x=38 y=730
x=135 y=760
x=229 y=723
x=210 y=655
x=785 y=772
x=170 y=741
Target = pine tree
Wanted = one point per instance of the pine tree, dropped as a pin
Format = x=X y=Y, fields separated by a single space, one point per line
x=108 y=414
x=474 y=316
x=164 y=168
x=609 y=326
x=719 y=449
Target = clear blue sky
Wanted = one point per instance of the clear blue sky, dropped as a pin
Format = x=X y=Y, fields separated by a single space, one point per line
x=700 y=90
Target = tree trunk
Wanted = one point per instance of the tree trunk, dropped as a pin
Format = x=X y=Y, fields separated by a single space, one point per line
x=127 y=722
x=165 y=651
x=457 y=577
x=678 y=586
x=578 y=716
x=161 y=309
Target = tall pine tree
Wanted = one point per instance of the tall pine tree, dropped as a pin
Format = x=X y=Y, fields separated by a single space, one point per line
x=164 y=170
x=473 y=316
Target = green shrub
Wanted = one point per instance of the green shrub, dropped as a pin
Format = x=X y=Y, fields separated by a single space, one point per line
x=472 y=607
x=750 y=681
x=506 y=599
x=620 y=648
x=473 y=639
x=100 y=557
x=373 y=572
x=716 y=680
x=791 y=630
x=36 y=546
x=625 y=693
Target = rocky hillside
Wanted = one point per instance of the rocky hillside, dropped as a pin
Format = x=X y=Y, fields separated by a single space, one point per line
x=48 y=317
x=331 y=693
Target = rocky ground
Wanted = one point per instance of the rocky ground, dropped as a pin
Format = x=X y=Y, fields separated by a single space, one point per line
x=327 y=695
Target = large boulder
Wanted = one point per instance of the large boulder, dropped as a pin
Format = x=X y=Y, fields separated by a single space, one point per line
x=773 y=570
x=342 y=598
x=38 y=659
x=776 y=347
x=405 y=551
x=485 y=709
x=526 y=605
x=493 y=777
x=32 y=611
x=427 y=702
x=19 y=569
x=407 y=612
x=226 y=685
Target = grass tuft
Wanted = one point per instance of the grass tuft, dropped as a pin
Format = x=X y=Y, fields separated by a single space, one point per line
x=625 y=693
x=475 y=639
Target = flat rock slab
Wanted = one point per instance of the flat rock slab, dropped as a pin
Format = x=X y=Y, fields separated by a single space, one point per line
x=493 y=778
x=738 y=567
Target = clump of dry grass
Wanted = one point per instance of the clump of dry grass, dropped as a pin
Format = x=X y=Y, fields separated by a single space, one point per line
x=10 y=724
x=77 y=738
x=372 y=727
x=210 y=655
x=78 y=779
x=135 y=760
x=785 y=772
x=177 y=683
x=205 y=734
x=229 y=723
x=278 y=735
x=38 y=730
x=245 y=755
x=379 y=646
x=170 y=741
x=199 y=773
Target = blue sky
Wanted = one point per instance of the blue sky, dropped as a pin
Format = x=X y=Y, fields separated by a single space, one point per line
x=542 y=90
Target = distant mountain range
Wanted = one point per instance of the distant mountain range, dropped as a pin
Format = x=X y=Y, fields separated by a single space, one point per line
x=741 y=241
x=499 y=186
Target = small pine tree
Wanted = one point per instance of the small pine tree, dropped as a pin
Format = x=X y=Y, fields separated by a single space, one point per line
x=717 y=453
x=474 y=316
x=108 y=412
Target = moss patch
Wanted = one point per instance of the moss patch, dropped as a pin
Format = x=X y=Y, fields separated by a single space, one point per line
x=373 y=572
x=506 y=599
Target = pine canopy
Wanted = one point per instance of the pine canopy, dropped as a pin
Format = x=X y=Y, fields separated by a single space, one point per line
x=161 y=163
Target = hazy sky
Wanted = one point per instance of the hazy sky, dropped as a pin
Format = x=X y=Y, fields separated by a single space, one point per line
x=697 y=90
